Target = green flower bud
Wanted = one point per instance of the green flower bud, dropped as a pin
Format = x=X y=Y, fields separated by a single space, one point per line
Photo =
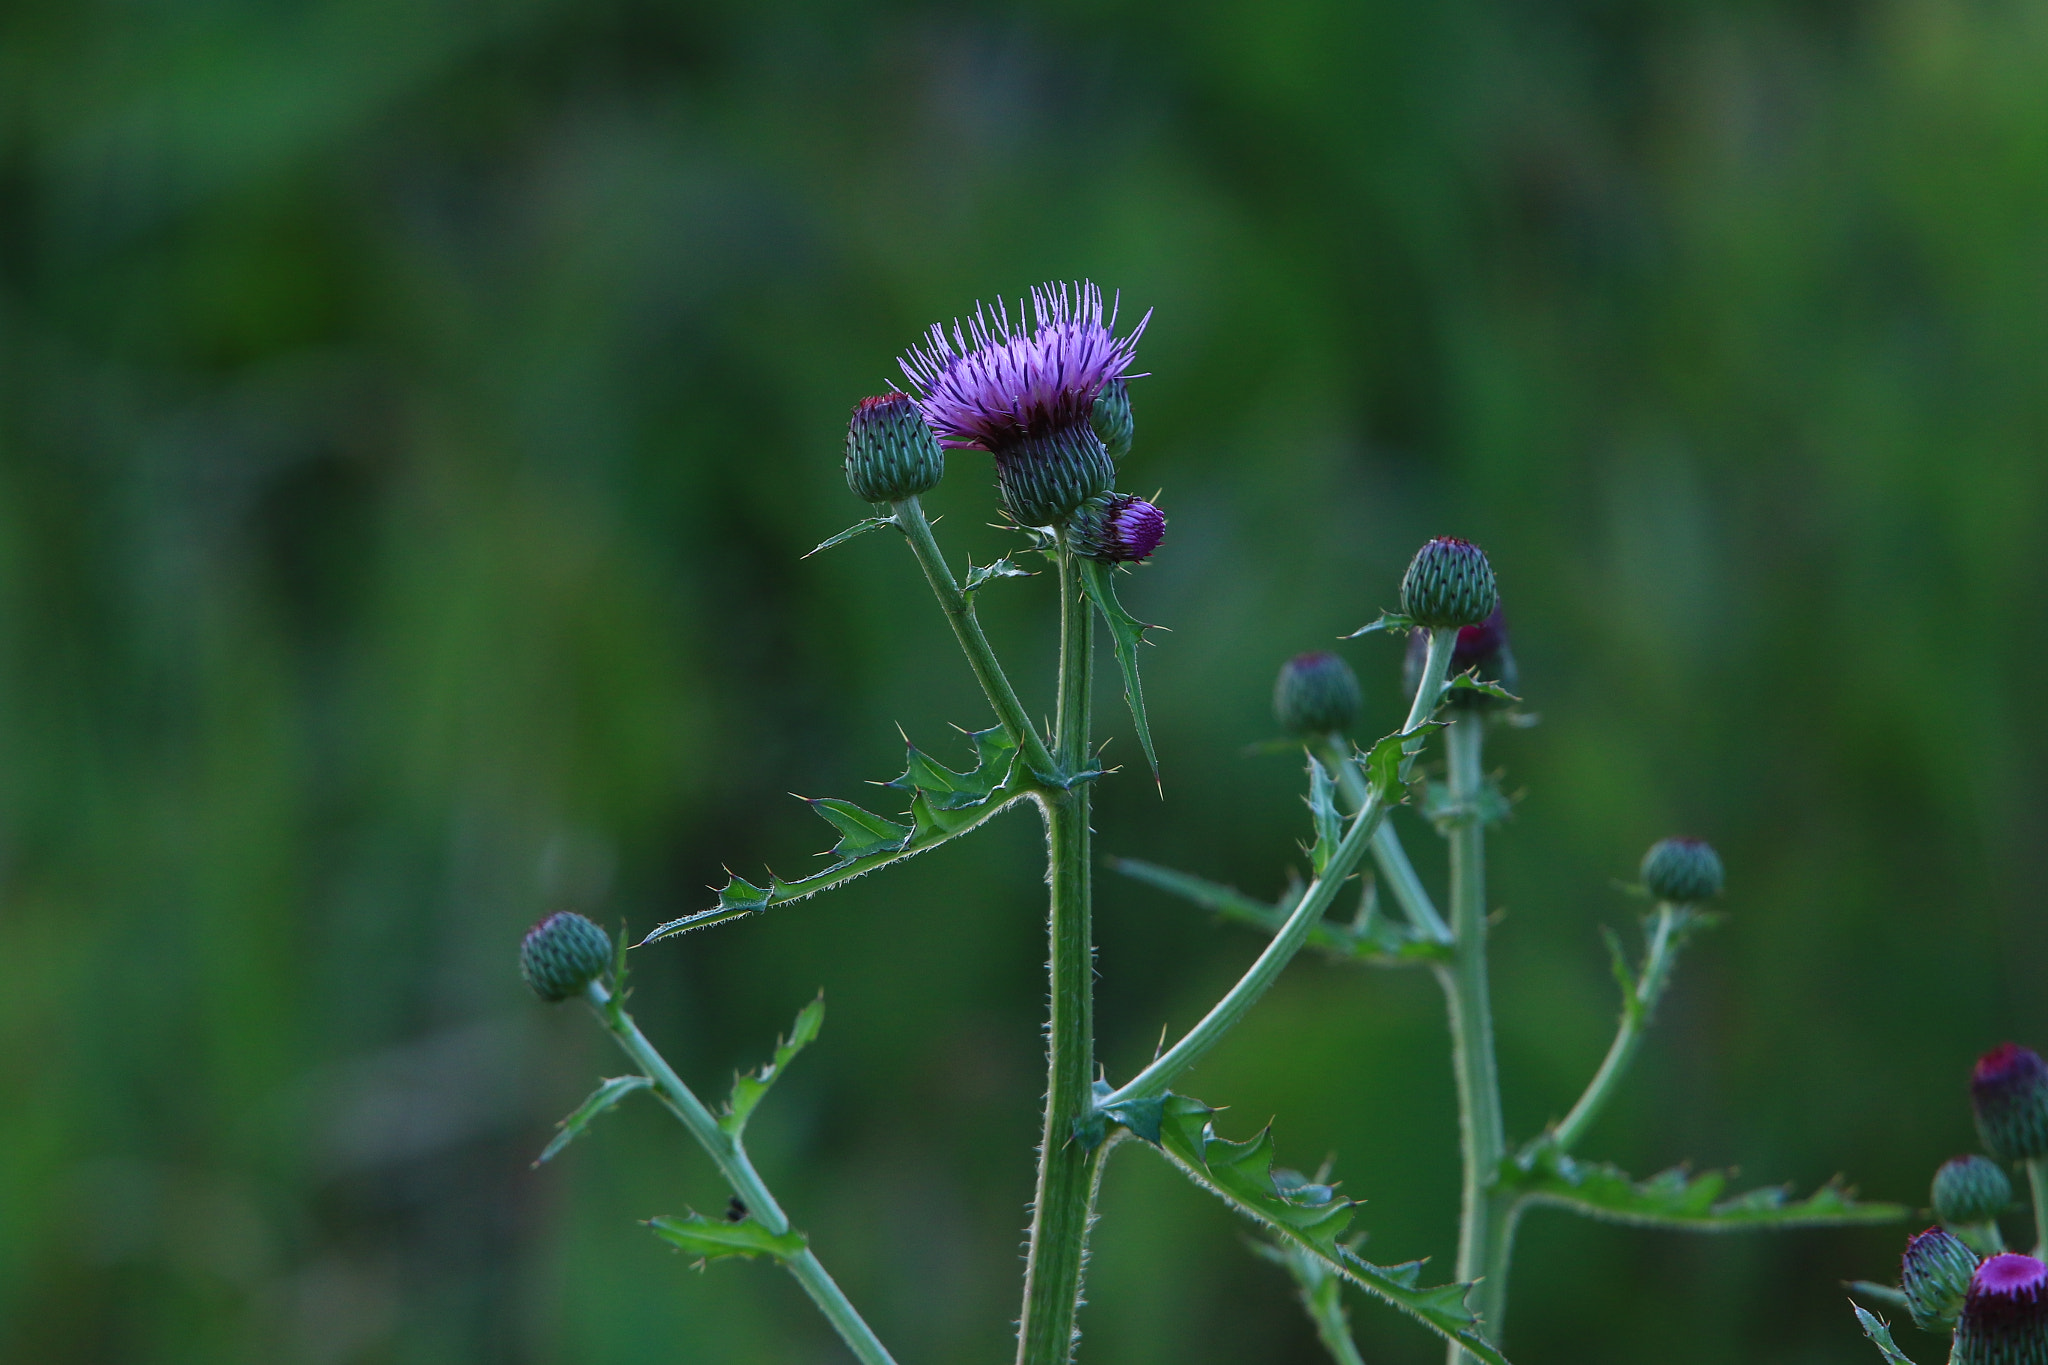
x=1935 y=1273
x=1682 y=871
x=1448 y=583
x=1044 y=479
x=1112 y=418
x=1316 y=694
x=1117 y=528
x=562 y=954
x=2005 y=1316
x=891 y=453
x=2009 y=1097
x=1971 y=1190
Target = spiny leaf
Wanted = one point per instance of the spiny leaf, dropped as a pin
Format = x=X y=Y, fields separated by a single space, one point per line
x=601 y=1100
x=980 y=574
x=1384 y=762
x=1677 y=1198
x=944 y=805
x=1489 y=806
x=1470 y=682
x=711 y=1239
x=1322 y=806
x=749 y=1087
x=1376 y=941
x=1880 y=1336
x=1309 y=1217
x=1388 y=620
x=862 y=832
x=1126 y=633
x=859 y=528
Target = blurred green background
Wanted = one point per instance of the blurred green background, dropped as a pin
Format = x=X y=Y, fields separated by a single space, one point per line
x=411 y=419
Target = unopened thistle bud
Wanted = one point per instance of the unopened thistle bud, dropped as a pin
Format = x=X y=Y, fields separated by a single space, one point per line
x=1316 y=694
x=2009 y=1096
x=2005 y=1316
x=890 y=453
x=1482 y=648
x=1116 y=528
x=1682 y=871
x=562 y=954
x=1448 y=583
x=1935 y=1272
x=1112 y=418
x=1970 y=1190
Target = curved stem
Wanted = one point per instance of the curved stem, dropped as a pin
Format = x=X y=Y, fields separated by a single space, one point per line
x=959 y=608
x=1464 y=979
x=1063 y=1203
x=1407 y=888
x=2037 y=1177
x=1636 y=1008
x=731 y=1159
x=1314 y=903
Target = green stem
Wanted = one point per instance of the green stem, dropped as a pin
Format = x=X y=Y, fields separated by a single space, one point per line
x=731 y=1159
x=1636 y=1009
x=1322 y=1294
x=1407 y=888
x=1482 y=1224
x=1315 y=902
x=2037 y=1176
x=959 y=609
x=1062 y=1205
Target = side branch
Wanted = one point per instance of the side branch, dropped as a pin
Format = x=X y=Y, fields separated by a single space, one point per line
x=1669 y=928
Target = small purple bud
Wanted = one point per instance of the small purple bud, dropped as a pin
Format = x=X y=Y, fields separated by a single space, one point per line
x=1316 y=694
x=2009 y=1096
x=1117 y=528
x=1682 y=871
x=1449 y=583
x=562 y=954
x=1971 y=1190
x=1935 y=1275
x=890 y=453
x=2005 y=1317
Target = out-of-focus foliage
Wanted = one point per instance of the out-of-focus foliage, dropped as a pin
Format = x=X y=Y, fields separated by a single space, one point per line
x=412 y=416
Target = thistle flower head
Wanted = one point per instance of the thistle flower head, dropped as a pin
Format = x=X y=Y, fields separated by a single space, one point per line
x=890 y=452
x=1027 y=394
x=2009 y=1097
x=1935 y=1273
x=1970 y=1190
x=562 y=954
x=1682 y=871
x=1483 y=647
x=1316 y=694
x=2004 y=1320
x=1117 y=528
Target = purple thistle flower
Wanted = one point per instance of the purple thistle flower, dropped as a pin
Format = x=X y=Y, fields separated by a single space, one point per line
x=2009 y=1097
x=1027 y=395
x=1117 y=528
x=2005 y=1318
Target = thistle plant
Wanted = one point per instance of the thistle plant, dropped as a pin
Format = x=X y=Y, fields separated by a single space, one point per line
x=1045 y=393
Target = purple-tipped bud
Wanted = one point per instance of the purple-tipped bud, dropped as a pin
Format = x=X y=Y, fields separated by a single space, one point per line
x=1117 y=528
x=1316 y=694
x=1112 y=418
x=1483 y=647
x=2005 y=1315
x=890 y=453
x=1028 y=396
x=1682 y=871
x=2009 y=1096
x=1448 y=583
x=562 y=954
x=1971 y=1190
x=1935 y=1272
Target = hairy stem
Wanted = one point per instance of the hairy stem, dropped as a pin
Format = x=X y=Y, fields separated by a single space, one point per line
x=1322 y=1294
x=1399 y=873
x=959 y=609
x=1062 y=1205
x=731 y=1159
x=1482 y=1225
x=1636 y=1009
x=1314 y=903
x=2037 y=1177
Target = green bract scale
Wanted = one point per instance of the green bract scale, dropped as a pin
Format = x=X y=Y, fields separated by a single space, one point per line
x=1448 y=583
x=1935 y=1273
x=890 y=453
x=2004 y=1320
x=1112 y=418
x=1045 y=479
x=2009 y=1097
x=562 y=954
x=1971 y=1190
x=1682 y=871
x=1316 y=694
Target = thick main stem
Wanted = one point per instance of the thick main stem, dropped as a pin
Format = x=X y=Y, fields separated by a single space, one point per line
x=1483 y=1224
x=1061 y=1207
x=2037 y=1178
x=733 y=1164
